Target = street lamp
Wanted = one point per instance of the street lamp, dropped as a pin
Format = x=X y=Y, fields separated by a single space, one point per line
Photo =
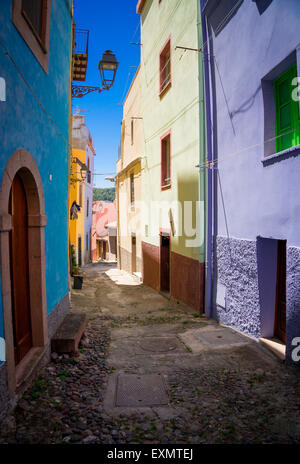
x=107 y=67
x=83 y=171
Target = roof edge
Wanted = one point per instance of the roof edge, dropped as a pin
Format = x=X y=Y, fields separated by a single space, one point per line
x=140 y=6
x=131 y=85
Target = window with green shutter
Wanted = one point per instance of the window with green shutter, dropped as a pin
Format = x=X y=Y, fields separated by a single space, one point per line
x=287 y=111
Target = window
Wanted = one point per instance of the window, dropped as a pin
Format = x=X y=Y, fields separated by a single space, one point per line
x=32 y=20
x=165 y=67
x=287 y=111
x=80 y=195
x=34 y=11
x=166 y=161
x=132 y=189
x=87 y=207
x=132 y=131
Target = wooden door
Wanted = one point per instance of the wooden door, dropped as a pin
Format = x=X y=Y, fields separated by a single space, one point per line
x=133 y=254
x=165 y=263
x=280 y=308
x=103 y=249
x=19 y=269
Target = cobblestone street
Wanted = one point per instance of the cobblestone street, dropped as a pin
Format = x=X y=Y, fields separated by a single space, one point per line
x=209 y=384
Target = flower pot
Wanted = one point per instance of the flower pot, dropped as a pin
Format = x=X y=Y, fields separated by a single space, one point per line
x=78 y=279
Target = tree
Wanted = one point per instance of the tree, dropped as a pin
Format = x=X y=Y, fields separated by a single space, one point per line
x=105 y=194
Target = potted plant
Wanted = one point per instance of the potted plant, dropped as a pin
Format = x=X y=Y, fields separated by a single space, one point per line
x=78 y=278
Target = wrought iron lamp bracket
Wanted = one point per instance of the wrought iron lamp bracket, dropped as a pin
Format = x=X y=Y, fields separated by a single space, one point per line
x=79 y=91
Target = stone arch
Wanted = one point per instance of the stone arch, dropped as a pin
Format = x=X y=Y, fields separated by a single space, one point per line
x=23 y=163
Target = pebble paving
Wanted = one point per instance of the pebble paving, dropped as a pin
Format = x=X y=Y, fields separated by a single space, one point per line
x=214 y=404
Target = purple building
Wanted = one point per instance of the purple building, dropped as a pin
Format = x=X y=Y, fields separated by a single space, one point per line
x=251 y=63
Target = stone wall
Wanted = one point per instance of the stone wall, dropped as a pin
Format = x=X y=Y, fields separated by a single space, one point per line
x=55 y=318
x=5 y=401
x=237 y=272
x=58 y=314
x=293 y=298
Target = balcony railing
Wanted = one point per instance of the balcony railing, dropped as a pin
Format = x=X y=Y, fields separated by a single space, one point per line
x=80 y=53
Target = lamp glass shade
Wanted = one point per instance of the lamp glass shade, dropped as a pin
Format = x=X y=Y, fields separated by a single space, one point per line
x=107 y=68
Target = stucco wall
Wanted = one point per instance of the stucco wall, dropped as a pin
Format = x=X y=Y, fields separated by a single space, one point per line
x=255 y=197
x=131 y=148
x=129 y=215
x=177 y=110
x=262 y=201
x=23 y=124
x=88 y=194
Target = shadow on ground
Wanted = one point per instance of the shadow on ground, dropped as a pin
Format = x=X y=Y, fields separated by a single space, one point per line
x=154 y=371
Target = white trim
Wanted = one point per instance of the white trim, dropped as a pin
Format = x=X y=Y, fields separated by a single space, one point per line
x=292 y=151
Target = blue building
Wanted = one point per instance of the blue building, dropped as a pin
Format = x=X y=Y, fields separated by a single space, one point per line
x=35 y=64
x=251 y=64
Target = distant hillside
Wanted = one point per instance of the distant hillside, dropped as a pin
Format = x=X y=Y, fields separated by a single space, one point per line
x=105 y=194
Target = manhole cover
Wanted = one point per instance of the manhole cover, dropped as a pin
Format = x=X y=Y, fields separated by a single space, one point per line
x=159 y=345
x=140 y=390
x=220 y=337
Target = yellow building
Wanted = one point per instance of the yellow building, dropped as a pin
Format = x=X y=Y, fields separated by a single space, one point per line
x=81 y=191
x=128 y=182
x=77 y=195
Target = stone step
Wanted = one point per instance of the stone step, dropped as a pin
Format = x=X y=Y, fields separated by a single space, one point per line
x=274 y=345
x=138 y=276
x=27 y=369
x=69 y=334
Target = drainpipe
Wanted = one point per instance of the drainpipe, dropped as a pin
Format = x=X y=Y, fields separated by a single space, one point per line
x=202 y=142
x=209 y=172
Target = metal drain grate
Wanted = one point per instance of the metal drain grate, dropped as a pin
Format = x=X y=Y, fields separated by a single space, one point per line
x=140 y=390
x=159 y=345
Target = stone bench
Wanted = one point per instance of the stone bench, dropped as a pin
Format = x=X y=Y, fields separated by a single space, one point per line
x=69 y=334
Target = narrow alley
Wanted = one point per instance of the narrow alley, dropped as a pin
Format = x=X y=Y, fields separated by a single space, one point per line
x=152 y=371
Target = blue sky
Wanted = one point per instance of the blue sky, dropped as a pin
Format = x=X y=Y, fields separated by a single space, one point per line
x=112 y=26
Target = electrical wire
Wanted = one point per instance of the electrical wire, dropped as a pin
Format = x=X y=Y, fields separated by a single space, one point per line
x=139 y=23
x=125 y=88
x=42 y=106
x=162 y=34
x=249 y=147
x=103 y=173
x=220 y=25
x=217 y=160
x=180 y=114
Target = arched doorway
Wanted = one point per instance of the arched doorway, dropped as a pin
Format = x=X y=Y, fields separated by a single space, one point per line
x=22 y=261
x=19 y=270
